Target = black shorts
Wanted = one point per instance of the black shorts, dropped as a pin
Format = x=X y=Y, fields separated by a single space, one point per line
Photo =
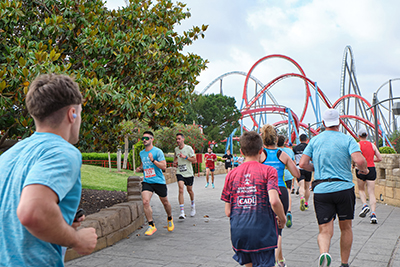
x=227 y=166
x=289 y=184
x=371 y=176
x=327 y=205
x=160 y=189
x=306 y=175
x=212 y=170
x=284 y=197
x=188 y=181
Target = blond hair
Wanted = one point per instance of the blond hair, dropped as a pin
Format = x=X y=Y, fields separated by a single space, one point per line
x=268 y=135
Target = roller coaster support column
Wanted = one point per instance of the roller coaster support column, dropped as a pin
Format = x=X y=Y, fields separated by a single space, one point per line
x=374 y=103
x=316 y=108
x=229 y=142
x=290 y=122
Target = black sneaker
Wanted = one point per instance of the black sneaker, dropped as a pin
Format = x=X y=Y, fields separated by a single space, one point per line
x=293 y=190
x=297 y=192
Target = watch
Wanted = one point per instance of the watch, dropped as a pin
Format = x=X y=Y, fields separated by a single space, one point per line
x=153 y=160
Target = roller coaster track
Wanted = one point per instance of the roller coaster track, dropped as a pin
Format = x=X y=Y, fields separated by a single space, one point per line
x=352 y=106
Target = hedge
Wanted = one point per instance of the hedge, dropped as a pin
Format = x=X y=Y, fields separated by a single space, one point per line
x=140 y=147
x=387 y=150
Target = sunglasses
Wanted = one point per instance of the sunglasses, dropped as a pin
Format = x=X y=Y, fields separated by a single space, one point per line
x=145 y=138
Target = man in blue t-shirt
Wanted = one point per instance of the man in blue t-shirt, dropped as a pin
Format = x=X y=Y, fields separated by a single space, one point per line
x=40 y=181
x=331 y=153
x=153 y=162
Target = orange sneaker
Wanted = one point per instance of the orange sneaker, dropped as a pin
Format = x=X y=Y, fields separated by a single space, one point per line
x=151 y=230
x=171 y=225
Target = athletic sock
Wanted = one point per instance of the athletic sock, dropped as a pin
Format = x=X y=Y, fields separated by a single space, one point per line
x=306 y=203
x=182 y=207
x=365 y=204
x=344 y=265
x=192 y=202
x=151 y=223
x=373 y=213
x=169 y=218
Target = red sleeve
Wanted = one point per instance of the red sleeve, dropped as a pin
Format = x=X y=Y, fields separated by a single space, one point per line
x=226 y=192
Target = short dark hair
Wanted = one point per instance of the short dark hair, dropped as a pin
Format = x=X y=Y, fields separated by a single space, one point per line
x=181 y=134
x=149 y=132
x=250 y=143
x=49 y=93
x=303 y=137
x=281 y=140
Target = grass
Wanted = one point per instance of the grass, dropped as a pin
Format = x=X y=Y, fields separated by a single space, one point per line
x=100 y=178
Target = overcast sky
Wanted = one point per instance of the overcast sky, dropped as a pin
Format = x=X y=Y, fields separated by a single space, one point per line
x=314 y=33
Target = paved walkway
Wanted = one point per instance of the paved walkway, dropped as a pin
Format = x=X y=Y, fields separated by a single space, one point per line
x=198 y=242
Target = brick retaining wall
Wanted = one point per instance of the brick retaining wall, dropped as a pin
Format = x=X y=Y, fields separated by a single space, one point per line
x=387 y=184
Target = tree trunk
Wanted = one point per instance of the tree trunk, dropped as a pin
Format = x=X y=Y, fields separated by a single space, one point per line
x=109 y=160
x=124 y=166
x=119 y=160
x=133 y=158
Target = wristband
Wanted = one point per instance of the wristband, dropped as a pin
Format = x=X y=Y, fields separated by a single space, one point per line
x=186 y=157
x=153 y=160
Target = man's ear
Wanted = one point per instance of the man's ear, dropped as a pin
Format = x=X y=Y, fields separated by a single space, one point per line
x=71 y=114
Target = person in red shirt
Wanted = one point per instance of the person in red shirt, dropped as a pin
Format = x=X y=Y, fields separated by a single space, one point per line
x=210 y=158
x=372 y=155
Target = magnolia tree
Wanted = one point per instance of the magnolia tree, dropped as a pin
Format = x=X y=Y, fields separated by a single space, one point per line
x=128 y=62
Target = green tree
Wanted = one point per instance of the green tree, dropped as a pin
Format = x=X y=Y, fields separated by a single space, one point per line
x=128 y=62
x=217 y=114
x=165 y=138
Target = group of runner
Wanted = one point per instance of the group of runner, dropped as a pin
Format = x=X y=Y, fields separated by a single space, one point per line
x=152 y=164
x=329 y=155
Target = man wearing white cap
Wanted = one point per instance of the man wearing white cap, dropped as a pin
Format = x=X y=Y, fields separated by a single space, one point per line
x=372 y=155
x=331 y=153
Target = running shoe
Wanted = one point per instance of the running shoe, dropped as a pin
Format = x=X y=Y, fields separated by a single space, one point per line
x=206 y=185
x=324 y=260
x=281 y=263
x=373 y=220
x=306 y=205
x=182 y=216
x=289 y=220
x=151 y=230
x=302 y=204
x=364 y=211
x=344 y=265
x=213 y=186
x=171 y=225
x=293 y=190
x=193 y=211
x=297 y=191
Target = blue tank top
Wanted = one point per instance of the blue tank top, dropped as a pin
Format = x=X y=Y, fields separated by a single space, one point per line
x=273 y=161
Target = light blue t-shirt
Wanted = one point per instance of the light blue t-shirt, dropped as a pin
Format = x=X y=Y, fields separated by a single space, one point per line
x=152 y=174
x=287 y=175
x=331 y=152
x=45 y=159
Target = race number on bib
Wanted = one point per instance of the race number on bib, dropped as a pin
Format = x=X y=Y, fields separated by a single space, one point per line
x=182 y=168
x=149 y=173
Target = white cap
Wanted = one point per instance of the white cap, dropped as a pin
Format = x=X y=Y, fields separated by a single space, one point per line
x=362 y=131
x=331 y=118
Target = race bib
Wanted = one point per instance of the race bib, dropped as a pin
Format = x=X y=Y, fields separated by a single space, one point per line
x=182 y=168
x=228 y=160
x=149 y=173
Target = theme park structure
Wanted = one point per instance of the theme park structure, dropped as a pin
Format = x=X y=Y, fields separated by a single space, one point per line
x=355 y=110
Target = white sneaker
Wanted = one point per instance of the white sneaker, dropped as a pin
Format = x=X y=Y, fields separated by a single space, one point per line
x=182 y=216
x=193 y=211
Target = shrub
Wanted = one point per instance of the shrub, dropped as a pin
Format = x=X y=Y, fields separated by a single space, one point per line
x=387 y=150
x=100 y=156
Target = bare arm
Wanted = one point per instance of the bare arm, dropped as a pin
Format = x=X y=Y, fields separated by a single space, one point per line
x=39 y=212
x=140 y=168
x=290 y=165
x=305 y=163
x=277 y=207
x=378 y=156
x=228 y=209
x=360 y=162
